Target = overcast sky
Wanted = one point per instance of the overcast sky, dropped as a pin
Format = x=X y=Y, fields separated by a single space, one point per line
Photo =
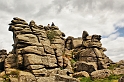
x=104 y=17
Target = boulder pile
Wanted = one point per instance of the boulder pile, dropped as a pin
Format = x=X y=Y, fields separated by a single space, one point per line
x=88 y=52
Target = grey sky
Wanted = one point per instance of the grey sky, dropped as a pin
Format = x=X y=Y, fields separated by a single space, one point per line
x=104 y=17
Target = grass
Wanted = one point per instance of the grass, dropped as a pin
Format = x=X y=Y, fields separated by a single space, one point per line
x=73 y=61
x=85 y=79
x=14 y=73
x=6 y=77
x=111 y=78
x=113 y=66
x=51 y=35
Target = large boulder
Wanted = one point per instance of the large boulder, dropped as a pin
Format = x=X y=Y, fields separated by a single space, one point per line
x=84 y=66
x=19 y=21
x=13 y=79
x=121 y=79
x=49 y=72
x=46 y=79
x=11 y=61
x=119 y=68
x=100 y=74
x=84 y=35
x=87 y=55
x=121 y=62
x=32 y=59
x=118 y=71
x=68 y=42
x=81 y=74
x=65 y=78
x=14 y=75
x=27 y=38
x=26 y=77
x=77 y=42
x=58 y=41
x=46 y=60
x=33 y=49
x=94 y=55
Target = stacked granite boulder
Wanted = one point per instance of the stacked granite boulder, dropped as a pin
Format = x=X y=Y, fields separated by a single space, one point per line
x=88 y=52
x=39 y=49
x=73 y=43
x=93 y=51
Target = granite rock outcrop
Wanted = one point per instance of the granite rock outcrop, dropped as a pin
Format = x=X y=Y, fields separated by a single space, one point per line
x=43 y=53
x=38 y=49
x=88 y=53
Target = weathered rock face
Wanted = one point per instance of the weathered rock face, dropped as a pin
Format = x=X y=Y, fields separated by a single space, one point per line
x=65 y=78
x=14 y=75
x=26 y=77
x=38 y=49
x=72 y=43
x=83 y=66
x=99 y=74
x=81 y=74
x=3 y=55
x=46 y=54
x=11 y=61
x=91 y=52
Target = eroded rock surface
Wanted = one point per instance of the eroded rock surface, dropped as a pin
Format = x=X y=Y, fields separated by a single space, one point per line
x=99 y=74
x=3 y=55
x=38 y=49
x=45 y=54
x=91 y=52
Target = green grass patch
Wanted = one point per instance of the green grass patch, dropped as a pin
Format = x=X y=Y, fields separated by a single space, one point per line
x=14 y=73
x=111 y=78
x=6 y=78
x=73 y=61
x=114 y=77
x=51 y=35
x=113 y=66
x=85 y=79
